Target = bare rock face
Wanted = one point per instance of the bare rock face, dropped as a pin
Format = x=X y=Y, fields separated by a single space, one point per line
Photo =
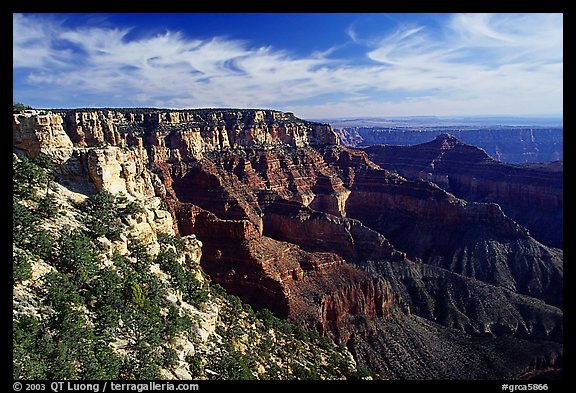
x=318 y=231
x=186 y=134
x=120 y=170
x=396 y=352
x=38 y=132
x=439 y=229
x=87 y=128
x=244 y=246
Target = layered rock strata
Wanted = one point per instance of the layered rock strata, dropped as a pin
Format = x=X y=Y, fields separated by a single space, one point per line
x=282 y=210
x=530 y=194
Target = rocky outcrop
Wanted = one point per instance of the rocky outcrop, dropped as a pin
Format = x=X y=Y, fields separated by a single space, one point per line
x=531 y=195
x=315 y=230
x=224 y=202
x=41 y=132
x=440 y=221
x=120 y=170
x=89 y=128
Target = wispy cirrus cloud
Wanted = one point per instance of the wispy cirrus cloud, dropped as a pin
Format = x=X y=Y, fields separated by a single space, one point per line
x=471 y=64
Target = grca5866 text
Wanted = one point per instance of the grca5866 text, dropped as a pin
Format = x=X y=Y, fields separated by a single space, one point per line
x=528 y=386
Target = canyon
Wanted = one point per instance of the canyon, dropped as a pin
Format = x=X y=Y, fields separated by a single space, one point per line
x=423 y=271
x=508 y=143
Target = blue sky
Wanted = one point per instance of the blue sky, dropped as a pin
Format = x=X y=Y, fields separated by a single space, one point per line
x=316 y=65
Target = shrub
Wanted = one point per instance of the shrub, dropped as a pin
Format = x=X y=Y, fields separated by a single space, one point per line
x=27 y=349
x=107 y=288
x=175 y=323
x=62 y=293
x=218 y=290
x=134 y=295
x=99 y=361
x=235 y=303
x=73 y=350
x=195 y=365
x=27 y=176
x=183 y=279
x=301 y=372
x=176 y=241
x=248 y=308
x=19 y=107
x=42 y=243
x=22 y=220
x=47 y=206
x=198 y=296
x=77 y=256
x=43 y=161
x=169 y=357
x=144 y=365
x=133 y=208
x=102 y=218
x=325 y=342
x=267 y=318
x=143 y=258
x=236 y=366
x=301 y=334
x=62 y=360
x=21 y=266
x=143 y=321
x=274 y=372
x=106 y=321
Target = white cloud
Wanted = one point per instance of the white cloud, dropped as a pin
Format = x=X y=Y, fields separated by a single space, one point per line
x=475 y=64
x=32 y=44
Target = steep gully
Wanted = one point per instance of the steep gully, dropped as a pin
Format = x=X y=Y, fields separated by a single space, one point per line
x=318 y=233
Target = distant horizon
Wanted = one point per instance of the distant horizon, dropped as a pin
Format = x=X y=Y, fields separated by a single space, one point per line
x=321 y=65
x=479 y=116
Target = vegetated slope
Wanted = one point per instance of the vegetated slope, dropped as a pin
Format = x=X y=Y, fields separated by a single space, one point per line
x=520 y=144
x=321 y=235
x=104 y=289
x=530 y=194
